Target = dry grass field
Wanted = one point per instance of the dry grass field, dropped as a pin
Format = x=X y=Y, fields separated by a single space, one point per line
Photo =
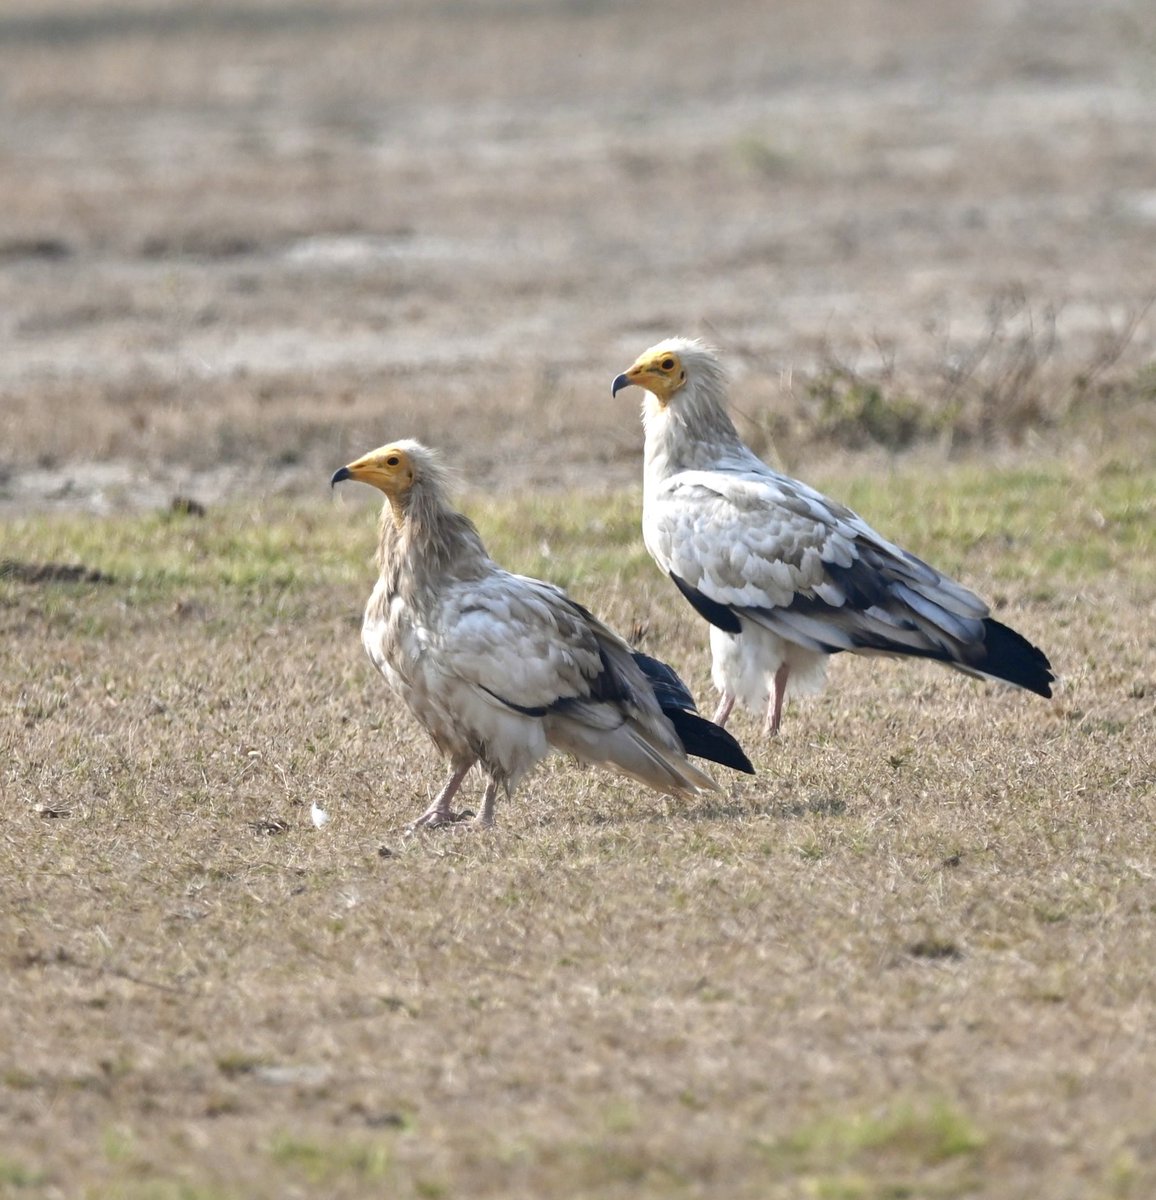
x=242 y=242
x=914 y=957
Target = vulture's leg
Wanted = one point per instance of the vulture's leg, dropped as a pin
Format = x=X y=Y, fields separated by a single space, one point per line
x=775 y=703
x=438 y=812
x=723 y=712
x=485 y=818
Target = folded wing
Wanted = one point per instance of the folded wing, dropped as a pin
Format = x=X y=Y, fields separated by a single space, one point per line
x=752 y=545
x=524 y=645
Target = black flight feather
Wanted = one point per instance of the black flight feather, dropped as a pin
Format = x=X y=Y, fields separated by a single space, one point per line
x=1009 y=655
x=716 y=613
x=700 y=737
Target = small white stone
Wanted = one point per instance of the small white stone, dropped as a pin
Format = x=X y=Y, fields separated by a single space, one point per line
x=319 y=815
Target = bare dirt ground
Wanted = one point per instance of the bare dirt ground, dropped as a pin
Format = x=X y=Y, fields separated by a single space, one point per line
x=240 y=243
x=243 y=240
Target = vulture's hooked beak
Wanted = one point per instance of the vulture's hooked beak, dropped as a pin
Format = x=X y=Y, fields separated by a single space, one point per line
x=620 y=381
x=340 y=474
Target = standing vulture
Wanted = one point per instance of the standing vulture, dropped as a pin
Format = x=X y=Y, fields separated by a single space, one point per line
x=785 y=576
x=498 y=668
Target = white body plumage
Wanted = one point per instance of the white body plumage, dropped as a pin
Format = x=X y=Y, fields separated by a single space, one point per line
x=499 y=668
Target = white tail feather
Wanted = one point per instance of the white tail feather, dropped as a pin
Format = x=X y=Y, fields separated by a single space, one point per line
x=633 y=752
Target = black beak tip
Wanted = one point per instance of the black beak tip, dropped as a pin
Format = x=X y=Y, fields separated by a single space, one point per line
x=620 y=381
x=338 y=475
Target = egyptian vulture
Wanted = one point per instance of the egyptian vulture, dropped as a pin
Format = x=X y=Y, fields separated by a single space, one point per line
x=785 y=576
x=498 y=668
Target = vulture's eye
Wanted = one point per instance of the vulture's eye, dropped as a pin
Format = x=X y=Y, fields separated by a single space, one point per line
x=667 y=364
x=392 y=460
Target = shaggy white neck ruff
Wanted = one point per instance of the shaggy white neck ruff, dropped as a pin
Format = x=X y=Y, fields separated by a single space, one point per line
x=423 y=540
x=693 y=431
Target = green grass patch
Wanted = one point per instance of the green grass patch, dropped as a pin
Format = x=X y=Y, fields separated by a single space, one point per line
x=327 y=1162
x=881 y=1155
x=1045 y=524
x=257 y=548
x=15 y=1176
x=1052 y=523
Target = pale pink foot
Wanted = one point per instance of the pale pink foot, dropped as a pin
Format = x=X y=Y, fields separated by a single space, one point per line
x=439 y=812
x=438 y=820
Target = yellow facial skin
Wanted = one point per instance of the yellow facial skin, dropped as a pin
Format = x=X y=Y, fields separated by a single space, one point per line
x=660 y=372
x=388 y=469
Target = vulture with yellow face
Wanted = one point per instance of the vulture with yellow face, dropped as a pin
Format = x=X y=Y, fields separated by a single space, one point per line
x=784 y=576
x=500 y=669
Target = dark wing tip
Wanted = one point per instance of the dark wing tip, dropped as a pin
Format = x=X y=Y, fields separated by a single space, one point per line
x=700 y=738
x=704 y=739
x=1011 y=657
